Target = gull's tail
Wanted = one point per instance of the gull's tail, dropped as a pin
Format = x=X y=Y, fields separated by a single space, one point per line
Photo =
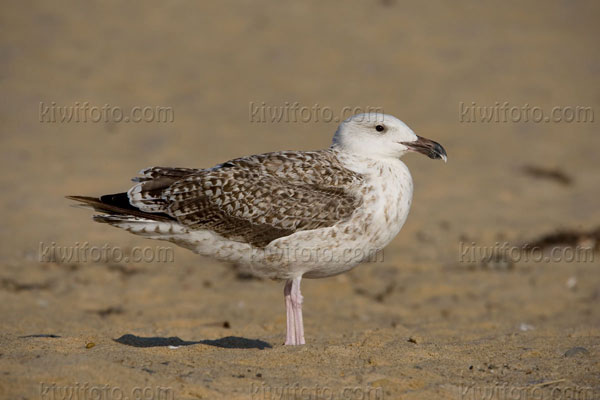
x=117 y=211
x=118 y=204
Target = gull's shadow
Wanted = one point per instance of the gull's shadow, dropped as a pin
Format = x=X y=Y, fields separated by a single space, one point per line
x=228 y=342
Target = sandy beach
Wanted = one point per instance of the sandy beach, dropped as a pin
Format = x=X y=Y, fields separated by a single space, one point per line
x=458 y=306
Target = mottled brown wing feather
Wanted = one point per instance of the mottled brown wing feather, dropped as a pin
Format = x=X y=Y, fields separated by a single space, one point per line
x=153 y=173
x=260 y=198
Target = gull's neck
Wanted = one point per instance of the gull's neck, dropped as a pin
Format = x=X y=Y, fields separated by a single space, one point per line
x=369 y=165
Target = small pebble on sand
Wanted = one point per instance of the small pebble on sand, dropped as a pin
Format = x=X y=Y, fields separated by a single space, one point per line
x=575 y=351
x=416 y=339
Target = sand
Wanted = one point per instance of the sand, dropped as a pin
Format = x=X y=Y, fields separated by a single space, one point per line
x=427 y=320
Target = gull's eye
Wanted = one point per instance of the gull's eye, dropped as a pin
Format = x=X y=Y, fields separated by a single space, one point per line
x=380 y=128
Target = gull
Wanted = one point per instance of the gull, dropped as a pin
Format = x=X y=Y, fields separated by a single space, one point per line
x=283 y=215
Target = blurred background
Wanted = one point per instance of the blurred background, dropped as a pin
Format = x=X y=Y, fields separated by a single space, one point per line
x=435 y=65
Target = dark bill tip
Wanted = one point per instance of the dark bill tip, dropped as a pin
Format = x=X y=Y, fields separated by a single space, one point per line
x=431 y=149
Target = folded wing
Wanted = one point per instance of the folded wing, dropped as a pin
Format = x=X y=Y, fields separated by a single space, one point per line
x=255 y=199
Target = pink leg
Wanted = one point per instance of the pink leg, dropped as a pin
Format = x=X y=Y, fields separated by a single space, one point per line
x=293 y=304
x=290 y=336
x=297 y=304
